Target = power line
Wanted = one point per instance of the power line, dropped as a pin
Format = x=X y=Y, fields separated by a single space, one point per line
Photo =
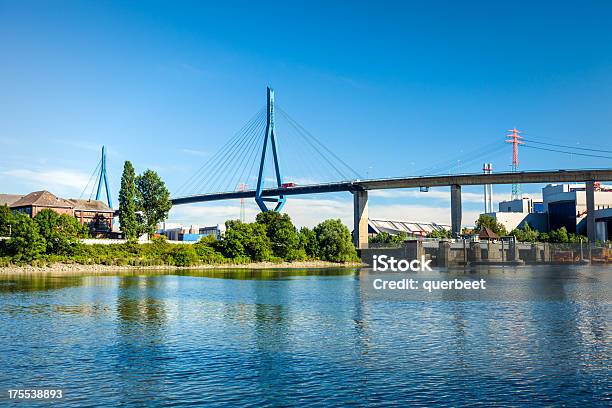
x=568 y=146
x=572 y=153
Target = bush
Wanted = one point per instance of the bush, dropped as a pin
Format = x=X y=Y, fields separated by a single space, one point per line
x=26 y=243
x=184 y=255
x=334 y=241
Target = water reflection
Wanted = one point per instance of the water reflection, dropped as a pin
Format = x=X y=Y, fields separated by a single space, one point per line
x=318 y=337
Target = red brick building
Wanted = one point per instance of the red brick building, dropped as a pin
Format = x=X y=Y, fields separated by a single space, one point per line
x=33 y=203
x=93 y=213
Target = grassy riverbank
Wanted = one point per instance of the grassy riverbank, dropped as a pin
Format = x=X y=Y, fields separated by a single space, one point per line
x=73 y=268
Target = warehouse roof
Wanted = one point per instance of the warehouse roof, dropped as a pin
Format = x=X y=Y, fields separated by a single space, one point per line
x=394 y=227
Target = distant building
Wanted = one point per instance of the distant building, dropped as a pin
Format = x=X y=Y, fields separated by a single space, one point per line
x=566 y=205
x=410 y=228
x=177 y=232
x=562 y=205
x=208 y=231
x=520 y=205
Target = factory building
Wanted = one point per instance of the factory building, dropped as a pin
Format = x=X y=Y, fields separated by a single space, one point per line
x=562 y=205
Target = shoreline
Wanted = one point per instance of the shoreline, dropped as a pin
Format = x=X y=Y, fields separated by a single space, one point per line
x=71 y=269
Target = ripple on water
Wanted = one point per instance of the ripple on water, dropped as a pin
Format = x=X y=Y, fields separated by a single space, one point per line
x=308 y=340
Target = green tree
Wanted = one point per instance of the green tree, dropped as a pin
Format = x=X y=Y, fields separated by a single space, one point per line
x=334 y=241
x=184 y=255
x=246 y=240
x=26 y=242
x=152 y=200
x=6 y=221
x=558 y=235
x=386 y=238
x=61 y=232
x=308 y=242
x=440 y=233
x=525 y=233
x=283 y=235
x=488 y=221
x=127 y=202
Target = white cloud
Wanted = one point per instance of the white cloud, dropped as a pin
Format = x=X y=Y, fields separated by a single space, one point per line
x=194 y=152
x=67 y=183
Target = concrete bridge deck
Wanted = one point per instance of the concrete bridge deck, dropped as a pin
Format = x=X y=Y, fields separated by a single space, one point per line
x=360 y=189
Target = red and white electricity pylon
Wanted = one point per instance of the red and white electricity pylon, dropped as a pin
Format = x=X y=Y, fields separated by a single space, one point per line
x=514 y=137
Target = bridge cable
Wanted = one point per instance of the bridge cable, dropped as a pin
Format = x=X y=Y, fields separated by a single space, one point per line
x=194 y=177
x=251 y=158
x=213 y=177
x=300 y=131
x=215 y=162
x=239 y=158
x=307 y=162
x=307 y=133
x=91 y=178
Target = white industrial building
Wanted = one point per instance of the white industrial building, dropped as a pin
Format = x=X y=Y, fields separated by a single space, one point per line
x=562 y=205
x=410 y=228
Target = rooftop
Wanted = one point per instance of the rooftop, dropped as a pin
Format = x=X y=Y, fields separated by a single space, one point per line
x=90 y=205
x=42 y=199
x=8 y=199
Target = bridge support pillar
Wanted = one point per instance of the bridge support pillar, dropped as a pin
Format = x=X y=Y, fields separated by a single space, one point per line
x=456 y=210
x=590 y=204
x=360 y=219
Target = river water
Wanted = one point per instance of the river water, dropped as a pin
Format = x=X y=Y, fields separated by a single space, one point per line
x=308 y=338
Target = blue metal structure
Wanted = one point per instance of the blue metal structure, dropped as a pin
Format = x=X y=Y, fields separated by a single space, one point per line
x=103 y=178
x=270 y=135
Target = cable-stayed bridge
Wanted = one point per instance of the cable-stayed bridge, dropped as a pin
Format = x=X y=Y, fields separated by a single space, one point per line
x=252 y=160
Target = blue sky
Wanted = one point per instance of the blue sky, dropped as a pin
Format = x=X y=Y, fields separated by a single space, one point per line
x=391 y=87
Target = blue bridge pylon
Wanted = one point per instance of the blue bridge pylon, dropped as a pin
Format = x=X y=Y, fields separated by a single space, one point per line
x=271 y=136
x=103 y=179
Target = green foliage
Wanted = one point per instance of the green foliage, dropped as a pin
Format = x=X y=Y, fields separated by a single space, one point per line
x=246 y=240
x=308 y=242
x=334 y=241
x=152 y=200
x=61 y=232
x=525 y=234
x=386 y=238
x=50 y=237
x=26 y=242
x=127 y=202
x=283 y=235
x=488 y=221
x=440 y=234
x=6 y=221
x=183 y=255
x=558 y=235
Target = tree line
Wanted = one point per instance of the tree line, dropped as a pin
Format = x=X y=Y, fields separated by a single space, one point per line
x=144 y=201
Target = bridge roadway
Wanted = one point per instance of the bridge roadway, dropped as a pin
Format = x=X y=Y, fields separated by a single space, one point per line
x=360 y=189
